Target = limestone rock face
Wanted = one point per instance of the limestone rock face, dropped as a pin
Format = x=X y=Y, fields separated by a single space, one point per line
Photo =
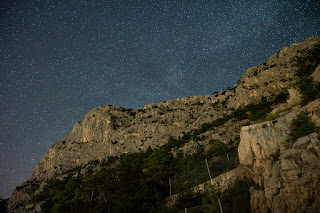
x=287 y=173
x=316 y=74
x=274 y=76
x=111 y=131
x=295 y=97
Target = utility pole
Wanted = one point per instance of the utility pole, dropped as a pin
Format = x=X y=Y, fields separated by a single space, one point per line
x=220 y=205
x=170 y=185
x=208 y=171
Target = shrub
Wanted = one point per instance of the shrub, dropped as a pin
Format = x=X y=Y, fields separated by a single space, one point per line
x=309 y=89
x=187 y=199
x=66 y=196
x=210 y=199
x=234 y=199
x=301 y=126
x=114 y=142
x=224 y=103
x=217 y=149
x=308 y=62
x=111 y=159
x=281 y=98
x=133 y=113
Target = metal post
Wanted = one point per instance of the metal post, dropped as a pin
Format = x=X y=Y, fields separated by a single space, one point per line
x=170 y=185
x=220 y=205
x=91 y=194
x=208 y=171
x=185 y=210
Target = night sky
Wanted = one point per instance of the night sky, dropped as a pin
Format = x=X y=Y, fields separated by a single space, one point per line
x=60 y=59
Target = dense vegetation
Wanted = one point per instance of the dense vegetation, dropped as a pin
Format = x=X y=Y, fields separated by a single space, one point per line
x=138 y=182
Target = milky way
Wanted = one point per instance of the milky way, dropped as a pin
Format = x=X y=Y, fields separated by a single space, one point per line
x=60 y=59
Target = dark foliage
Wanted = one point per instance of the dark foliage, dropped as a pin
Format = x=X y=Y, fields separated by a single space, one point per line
x=139 y=182
x=3 y=205
x=187 y=199
x=301 y=126
x=234 y=199
x=309 y=89
x=217 y=149
x=66 y=196
x=258 y=110
x=306 y=64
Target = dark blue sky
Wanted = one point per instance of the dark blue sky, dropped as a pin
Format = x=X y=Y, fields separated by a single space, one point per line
x=60 y=59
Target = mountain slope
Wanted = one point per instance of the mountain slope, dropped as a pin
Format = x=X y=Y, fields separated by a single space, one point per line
x=107 y=132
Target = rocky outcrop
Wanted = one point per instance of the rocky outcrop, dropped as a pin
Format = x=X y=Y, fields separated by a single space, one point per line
x=111 y=131
x=287 y=173
x=295 y=97
x=274 y=76
x=316 y=74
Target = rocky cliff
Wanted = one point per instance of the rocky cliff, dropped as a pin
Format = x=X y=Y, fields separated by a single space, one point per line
x=287 y=172
x=282 y=169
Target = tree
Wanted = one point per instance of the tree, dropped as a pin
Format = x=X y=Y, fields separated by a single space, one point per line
x=3 y=205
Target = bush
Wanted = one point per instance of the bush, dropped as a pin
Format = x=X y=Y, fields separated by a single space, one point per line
x=66 y=196
x=309 y=89
x=234 y=199
x=210 y=200
x=217 y=149
x=187 y=199
x=281 y=98
x=301 y=126
x=307 y=62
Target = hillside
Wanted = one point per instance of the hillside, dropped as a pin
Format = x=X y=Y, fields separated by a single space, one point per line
x=114 y=153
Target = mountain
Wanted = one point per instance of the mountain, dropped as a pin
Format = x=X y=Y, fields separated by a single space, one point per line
x=268 y=123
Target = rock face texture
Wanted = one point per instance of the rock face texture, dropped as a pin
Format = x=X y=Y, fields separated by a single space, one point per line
x=285 y=172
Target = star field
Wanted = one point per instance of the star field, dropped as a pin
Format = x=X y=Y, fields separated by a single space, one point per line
x=60 y=59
